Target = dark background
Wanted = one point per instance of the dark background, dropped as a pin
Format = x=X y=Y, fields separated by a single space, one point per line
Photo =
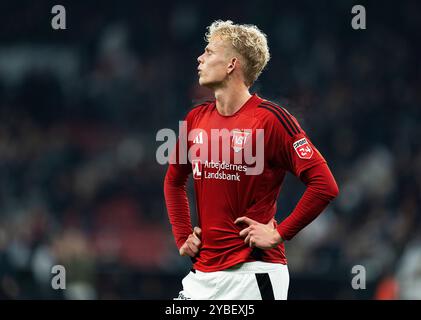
x=80 y=109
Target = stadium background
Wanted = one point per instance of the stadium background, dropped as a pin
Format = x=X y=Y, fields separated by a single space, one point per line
x=80 y=108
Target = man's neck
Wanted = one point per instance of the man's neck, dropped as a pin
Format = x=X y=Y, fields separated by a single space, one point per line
x=229 y=100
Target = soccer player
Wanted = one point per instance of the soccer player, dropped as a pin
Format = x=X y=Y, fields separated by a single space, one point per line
x=237 y=248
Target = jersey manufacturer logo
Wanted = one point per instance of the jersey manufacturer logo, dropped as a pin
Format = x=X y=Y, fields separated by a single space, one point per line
x=197 y=169
x=199 y=138
x=303 y=148
x=239 y=139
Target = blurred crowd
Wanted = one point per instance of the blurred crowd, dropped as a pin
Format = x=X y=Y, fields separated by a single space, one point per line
x=80 y=108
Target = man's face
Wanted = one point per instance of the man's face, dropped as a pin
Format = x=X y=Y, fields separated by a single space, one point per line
x=214 y=62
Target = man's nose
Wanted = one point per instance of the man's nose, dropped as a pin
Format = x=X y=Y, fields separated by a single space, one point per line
x=200 y=59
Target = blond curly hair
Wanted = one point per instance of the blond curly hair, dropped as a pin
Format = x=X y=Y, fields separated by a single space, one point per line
x=248 y=40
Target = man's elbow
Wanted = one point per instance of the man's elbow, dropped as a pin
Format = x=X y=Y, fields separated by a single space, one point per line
x=169 y=182
x=333 y=190
x=321 y=180
x=331 y=187
x=166 y=179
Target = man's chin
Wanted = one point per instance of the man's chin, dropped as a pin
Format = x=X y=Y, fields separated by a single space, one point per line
x=202 y=82
x=206 y=84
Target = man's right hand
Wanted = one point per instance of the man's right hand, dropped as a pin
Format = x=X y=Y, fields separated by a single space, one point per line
x=193 y=243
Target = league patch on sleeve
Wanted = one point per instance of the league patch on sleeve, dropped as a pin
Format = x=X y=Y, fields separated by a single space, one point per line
x=303 y=148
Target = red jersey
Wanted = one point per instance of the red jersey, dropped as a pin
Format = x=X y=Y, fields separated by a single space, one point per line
x=225 y=192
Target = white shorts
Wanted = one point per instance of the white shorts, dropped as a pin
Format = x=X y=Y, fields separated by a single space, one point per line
x=246 y=281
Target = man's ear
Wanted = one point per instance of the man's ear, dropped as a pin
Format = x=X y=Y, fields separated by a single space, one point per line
x=232 y=65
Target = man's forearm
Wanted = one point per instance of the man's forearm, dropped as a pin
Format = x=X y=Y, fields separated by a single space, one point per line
x=178 y=207
x=321 y=189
